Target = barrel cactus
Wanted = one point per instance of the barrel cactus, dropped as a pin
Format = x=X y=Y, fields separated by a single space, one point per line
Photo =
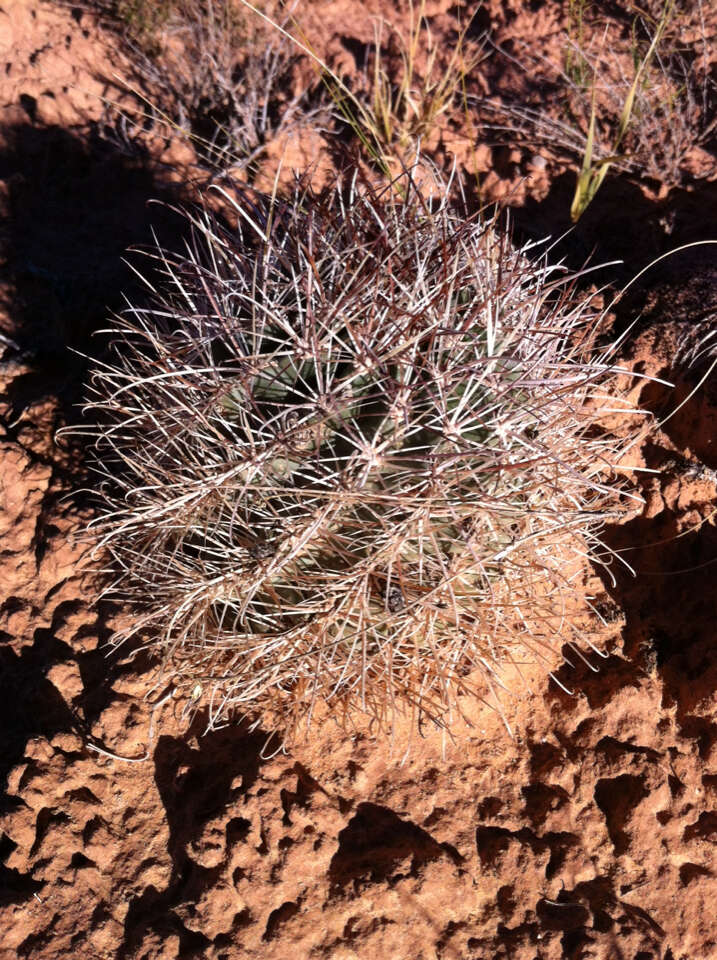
x=354 y=456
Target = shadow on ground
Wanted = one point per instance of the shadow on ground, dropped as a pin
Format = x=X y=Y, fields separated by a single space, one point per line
x=71 y=203
x=196 y=786
x=74 y=202
x=621 y=224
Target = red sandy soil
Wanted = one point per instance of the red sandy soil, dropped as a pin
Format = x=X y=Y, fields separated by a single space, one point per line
x=592 y=833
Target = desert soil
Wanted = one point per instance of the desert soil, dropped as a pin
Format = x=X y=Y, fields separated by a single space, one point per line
x=590 y=833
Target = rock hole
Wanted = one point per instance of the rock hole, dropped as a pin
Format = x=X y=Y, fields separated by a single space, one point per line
x=617 y=798
x=278 y=917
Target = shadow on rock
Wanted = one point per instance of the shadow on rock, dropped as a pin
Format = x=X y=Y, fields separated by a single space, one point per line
x=196 y=786
x=669 y=605
x=74 y=203
x=620 y=224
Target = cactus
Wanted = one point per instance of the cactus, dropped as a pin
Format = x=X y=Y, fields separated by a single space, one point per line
x=352 y=455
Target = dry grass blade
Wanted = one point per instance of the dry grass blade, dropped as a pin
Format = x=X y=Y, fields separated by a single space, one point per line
x=593 y=173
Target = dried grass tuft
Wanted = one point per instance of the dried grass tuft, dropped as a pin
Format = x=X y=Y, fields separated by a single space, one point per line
x=215 y=74
x=645 y=105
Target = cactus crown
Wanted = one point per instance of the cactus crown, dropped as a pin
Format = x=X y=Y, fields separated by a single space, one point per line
x=354 y=455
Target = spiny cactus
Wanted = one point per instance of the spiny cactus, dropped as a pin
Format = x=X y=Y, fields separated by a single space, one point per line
x=353 y=455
